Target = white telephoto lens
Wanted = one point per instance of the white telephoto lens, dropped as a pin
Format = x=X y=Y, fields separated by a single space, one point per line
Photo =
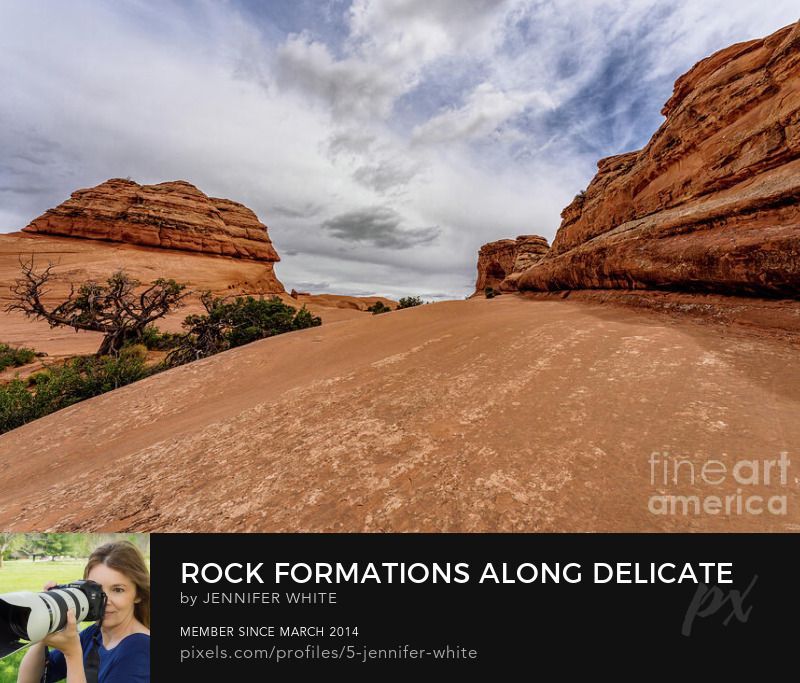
x=71 y=598
x=37 y=624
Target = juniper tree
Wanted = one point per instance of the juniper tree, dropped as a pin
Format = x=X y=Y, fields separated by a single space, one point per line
x=121 y=308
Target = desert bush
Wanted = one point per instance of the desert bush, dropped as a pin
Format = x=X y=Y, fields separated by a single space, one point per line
x=409 y=302
x=11 y=357
x=156 y=340
x=489 y=292
x=225 y=325
x=228 y=323
x=59 y=386
x=15 y=405
x=304 y=318
x=378 y=307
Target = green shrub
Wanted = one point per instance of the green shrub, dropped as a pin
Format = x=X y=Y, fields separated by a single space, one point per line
x=134 y=351
x=156 y=340
x=227 y=324
x=11 y=357
x=409 y=302
x=489 y=292
x=230 y=323
x=59 y=386
x=378 y=307
x=304 y=318
x=15 y=405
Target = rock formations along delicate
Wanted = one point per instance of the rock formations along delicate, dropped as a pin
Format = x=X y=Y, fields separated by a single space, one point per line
x=172 y=215
x=712 y=202
x=500 y=263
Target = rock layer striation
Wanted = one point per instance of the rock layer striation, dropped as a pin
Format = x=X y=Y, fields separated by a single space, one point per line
x=172 y=215
x=712 y=202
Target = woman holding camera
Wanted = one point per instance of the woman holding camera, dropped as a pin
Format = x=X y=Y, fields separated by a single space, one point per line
x=115 y=649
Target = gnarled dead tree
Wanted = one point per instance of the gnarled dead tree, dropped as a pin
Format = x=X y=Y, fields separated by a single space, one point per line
x=115 y=308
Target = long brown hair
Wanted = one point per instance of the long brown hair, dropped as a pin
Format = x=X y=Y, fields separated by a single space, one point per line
x=126 y=558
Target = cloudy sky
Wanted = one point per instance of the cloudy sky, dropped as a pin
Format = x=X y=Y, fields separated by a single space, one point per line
x=382 y=141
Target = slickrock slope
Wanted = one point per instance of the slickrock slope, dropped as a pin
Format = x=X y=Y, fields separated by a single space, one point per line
x=501 y=262
x=712 y=202
x=172 y=215
x=479 y=415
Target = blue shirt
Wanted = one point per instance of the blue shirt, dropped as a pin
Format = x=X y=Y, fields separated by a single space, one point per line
x=127 y=662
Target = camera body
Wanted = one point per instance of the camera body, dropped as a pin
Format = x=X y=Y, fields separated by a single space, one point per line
x=95 y=597
x=34 y=616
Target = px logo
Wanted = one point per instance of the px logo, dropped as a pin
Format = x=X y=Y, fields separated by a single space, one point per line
x=708 y=601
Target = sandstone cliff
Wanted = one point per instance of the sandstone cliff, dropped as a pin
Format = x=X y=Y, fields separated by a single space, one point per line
x=172 y=215
x=501 y=263
x=712 y=202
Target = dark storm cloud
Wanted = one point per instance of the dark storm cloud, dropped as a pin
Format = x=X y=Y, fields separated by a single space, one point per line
x=307 y=210
x=10 y=189
x=379 y=226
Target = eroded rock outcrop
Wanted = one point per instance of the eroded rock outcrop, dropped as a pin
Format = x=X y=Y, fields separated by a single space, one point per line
x=172 y=215
x=530 y=250
x=495 y=261
x=712 y=202
x=500 y=263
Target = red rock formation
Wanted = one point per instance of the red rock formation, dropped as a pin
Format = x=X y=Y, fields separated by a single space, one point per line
x=712 y=202
x=530 y=250
x=173 y=215
x=500 y=263
x=495 y=261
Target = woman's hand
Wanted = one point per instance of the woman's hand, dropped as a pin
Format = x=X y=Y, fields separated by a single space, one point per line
x=67 y=639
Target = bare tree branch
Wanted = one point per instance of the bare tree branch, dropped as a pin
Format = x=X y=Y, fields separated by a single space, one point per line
x=112 y=308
